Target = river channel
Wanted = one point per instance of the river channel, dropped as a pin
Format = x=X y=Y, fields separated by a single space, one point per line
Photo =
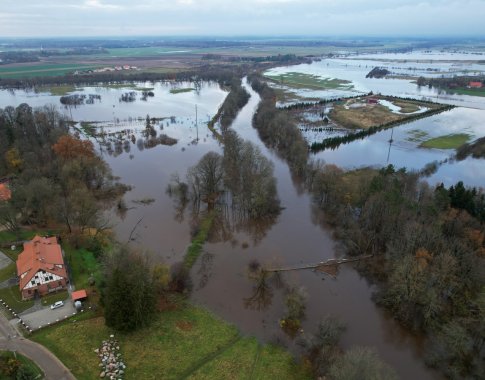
x=299 y=235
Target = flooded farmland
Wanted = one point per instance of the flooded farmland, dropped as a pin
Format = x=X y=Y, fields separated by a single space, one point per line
x=299 y=235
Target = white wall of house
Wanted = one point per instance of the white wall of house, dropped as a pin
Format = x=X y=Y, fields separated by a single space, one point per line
x=42 y=278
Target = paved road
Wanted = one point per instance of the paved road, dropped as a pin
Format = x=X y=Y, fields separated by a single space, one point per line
x=10 y=339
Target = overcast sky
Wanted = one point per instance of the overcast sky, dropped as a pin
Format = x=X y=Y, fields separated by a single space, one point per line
x=242 y=17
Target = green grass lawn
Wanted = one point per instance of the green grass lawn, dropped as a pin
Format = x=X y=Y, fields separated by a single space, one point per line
x=301 y=80
x=8 y=272
x=54 y=297
x=83 y=265
x=185 y=342
x=452 y=141
x=25 y=362
x=13 y=299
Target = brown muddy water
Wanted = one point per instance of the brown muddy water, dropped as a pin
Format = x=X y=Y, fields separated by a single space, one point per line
x=220 y=276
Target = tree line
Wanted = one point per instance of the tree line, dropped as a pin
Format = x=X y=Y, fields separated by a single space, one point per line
x=277 y=129
x=55 y=177
x=335 y=142
x=428 y=244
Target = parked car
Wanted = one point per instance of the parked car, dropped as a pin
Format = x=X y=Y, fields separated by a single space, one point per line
x=57 y=304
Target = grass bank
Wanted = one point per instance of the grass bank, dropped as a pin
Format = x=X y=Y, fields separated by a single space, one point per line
x=195 y=248
x=184 y=342
x=452 y=141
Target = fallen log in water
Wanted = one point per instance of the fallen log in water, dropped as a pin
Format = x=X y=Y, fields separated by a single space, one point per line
x=321 y=266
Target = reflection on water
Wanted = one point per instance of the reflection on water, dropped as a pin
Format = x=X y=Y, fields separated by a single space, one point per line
x=110 y=108
x=297 y=236
x=355 y=71
x=400 y=147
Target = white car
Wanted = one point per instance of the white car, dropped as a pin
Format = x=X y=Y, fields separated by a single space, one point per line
x=57 y=304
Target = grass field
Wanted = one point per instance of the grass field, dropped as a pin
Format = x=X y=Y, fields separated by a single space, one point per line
x=183 y=343
x=181 y=90
x=452 y=141
x=35 y=371
x=301 y=80
x=358 y=114
x=47 y=69
x=468 y=91
x=8 y=272
x=83 y=265
x=60 y=90
x=13 y=299
x=362 y=118
x=406 y=106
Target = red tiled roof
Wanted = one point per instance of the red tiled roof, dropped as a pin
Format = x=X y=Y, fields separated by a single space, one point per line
x=79 y=295
x=40 y=254
x=5 y=193
x=475 y=84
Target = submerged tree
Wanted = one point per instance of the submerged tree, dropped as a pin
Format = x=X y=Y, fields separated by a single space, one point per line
x=360 y=363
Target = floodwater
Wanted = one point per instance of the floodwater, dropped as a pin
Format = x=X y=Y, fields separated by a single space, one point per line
x=221 y=280
x=355 y=70
x=110 y=108
x=403 y=151
x=299 y=235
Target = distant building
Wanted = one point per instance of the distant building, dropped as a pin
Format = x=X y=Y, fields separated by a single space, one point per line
x=5 y=193
x=40 y=267
x=372 y=100
x=475 y=85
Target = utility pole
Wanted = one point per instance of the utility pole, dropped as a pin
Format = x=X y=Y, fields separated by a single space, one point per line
x=196 y=124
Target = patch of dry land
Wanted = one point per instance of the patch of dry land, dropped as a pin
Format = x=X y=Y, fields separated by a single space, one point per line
x=374 y=111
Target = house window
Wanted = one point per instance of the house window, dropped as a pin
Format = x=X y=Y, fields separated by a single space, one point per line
x=60 y=283
x=32 y=282
x=29 y=291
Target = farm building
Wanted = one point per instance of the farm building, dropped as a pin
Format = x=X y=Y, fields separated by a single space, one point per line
x=40 y=267
x=475 y=85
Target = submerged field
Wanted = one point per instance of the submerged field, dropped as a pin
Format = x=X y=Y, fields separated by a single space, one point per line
x=301 y=80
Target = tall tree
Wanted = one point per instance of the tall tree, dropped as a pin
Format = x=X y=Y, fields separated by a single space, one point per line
x=129 y=296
